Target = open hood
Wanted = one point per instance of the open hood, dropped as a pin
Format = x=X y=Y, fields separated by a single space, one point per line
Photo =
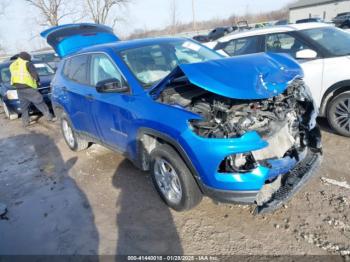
x=257 y=76
x=70 y=38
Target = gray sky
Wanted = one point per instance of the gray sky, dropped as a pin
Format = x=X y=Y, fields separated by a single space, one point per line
x=19 y=28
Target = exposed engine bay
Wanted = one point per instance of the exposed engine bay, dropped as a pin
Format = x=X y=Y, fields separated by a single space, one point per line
x=283 y=120
x=227 y=118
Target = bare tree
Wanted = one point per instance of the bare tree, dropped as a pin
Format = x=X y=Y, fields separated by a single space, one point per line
x=52 y=11
x=3 y=6
x=100 y=10
x=173 y=16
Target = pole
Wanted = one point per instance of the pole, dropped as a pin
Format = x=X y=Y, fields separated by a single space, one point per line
x=193 y=17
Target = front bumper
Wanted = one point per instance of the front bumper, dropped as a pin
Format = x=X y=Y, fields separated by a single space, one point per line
x=291 y=182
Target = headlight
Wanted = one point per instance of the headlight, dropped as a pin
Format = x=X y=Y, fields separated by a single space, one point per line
x=12 y=94
x=239 y=163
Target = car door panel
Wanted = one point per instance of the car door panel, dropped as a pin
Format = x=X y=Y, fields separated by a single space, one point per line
x=110 y=110
x=79 y=93
x=313 y=68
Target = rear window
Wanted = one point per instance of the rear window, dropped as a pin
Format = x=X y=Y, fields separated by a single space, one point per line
x=242 y=46
x=76 y=69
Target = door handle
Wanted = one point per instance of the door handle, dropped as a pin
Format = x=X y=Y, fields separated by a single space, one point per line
x=89 y=97
x=64 y=89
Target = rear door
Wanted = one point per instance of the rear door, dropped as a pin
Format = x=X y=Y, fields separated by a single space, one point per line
x=242 y=46
x=80 y=93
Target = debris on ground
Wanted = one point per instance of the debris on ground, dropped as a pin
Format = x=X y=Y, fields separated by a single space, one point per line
x=335 y=182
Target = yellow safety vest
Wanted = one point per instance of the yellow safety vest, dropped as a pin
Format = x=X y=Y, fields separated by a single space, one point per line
x=20 y=74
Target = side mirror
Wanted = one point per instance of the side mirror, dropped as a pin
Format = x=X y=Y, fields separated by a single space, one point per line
x=306 y=54
x=112 y=85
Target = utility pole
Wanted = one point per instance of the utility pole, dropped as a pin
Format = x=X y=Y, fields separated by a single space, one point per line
x=193 y=17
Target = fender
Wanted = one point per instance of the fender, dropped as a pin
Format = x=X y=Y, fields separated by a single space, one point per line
x=172 y=142
x=331 y=92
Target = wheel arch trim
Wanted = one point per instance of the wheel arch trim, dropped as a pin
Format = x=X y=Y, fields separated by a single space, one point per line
x=332 y=92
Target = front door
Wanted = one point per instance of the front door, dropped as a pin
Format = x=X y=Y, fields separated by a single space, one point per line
x=313 y=68
x=110 y=110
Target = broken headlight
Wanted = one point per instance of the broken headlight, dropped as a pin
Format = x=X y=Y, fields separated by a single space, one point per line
x=238 y=163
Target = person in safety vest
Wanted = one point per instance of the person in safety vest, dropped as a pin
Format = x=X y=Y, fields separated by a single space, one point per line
x=26 y=80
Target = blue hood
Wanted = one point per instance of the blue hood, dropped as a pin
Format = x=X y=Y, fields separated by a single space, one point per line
x=257 y=76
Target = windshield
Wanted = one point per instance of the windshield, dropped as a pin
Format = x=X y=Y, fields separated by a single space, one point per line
x=44 y=69
x=152 y=63
x=334 y=40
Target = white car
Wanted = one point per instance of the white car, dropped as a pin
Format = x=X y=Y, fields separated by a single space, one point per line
x=323 y=52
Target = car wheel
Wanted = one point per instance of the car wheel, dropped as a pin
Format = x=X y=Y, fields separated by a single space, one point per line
x=173 y=180
x=9 y=115
x=339 y=114
x=73 y=140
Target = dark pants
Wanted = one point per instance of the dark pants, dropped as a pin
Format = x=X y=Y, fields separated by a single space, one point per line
x=30 y=96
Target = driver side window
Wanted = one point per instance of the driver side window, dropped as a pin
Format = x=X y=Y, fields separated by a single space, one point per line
x=284 y=43
x=102 y=68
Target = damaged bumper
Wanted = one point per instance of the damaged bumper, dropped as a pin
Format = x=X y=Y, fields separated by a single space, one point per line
x=272 y=195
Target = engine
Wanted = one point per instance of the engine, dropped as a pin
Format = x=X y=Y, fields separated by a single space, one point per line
x=226 y=118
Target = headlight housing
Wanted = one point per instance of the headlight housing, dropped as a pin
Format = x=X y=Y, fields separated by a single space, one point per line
x=238 y=163
x=12 y=94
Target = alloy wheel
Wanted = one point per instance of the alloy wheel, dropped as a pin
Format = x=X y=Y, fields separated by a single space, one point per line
x=68 y=133
x=342 y=114
x=167 y=180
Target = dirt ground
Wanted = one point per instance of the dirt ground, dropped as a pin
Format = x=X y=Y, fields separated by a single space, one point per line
x=97 y=202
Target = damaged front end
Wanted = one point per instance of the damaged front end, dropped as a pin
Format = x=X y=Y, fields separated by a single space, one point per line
x=285 y=117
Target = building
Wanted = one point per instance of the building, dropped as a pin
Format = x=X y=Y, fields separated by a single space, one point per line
x=324 y=9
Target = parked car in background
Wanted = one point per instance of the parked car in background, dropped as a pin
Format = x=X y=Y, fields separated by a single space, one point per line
x=8 y=94
x=342 y=20
x=48 y=57
x=215 y=33
x=324 y=54
x=282 y=22
x=309 y=20
x=225 y=128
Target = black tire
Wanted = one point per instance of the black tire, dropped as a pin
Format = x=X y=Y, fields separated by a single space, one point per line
x=74 y=142
x=338 y=114
x=9 y=115
x=190 y=195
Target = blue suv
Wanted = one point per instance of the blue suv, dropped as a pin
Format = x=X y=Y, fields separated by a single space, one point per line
x=237 y=130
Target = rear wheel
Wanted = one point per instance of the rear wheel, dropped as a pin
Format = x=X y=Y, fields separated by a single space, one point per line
x=173 y=180
x=9 y=115
x=73 y=140
x=339 y=114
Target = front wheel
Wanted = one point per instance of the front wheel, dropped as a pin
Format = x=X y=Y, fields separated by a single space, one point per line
x=9 y=115
x=339 y=114
x=73 y=140
x=173 y=180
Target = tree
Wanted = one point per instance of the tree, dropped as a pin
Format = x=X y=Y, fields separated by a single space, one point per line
x=3 y=6
x=100 y=10
x=173 y=16
x=52 y=11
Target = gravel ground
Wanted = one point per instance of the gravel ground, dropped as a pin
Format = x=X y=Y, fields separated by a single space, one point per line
x=97 y=202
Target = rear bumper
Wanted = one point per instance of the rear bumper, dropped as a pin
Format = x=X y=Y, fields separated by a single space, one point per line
x=291 y=183
x=15 y=105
